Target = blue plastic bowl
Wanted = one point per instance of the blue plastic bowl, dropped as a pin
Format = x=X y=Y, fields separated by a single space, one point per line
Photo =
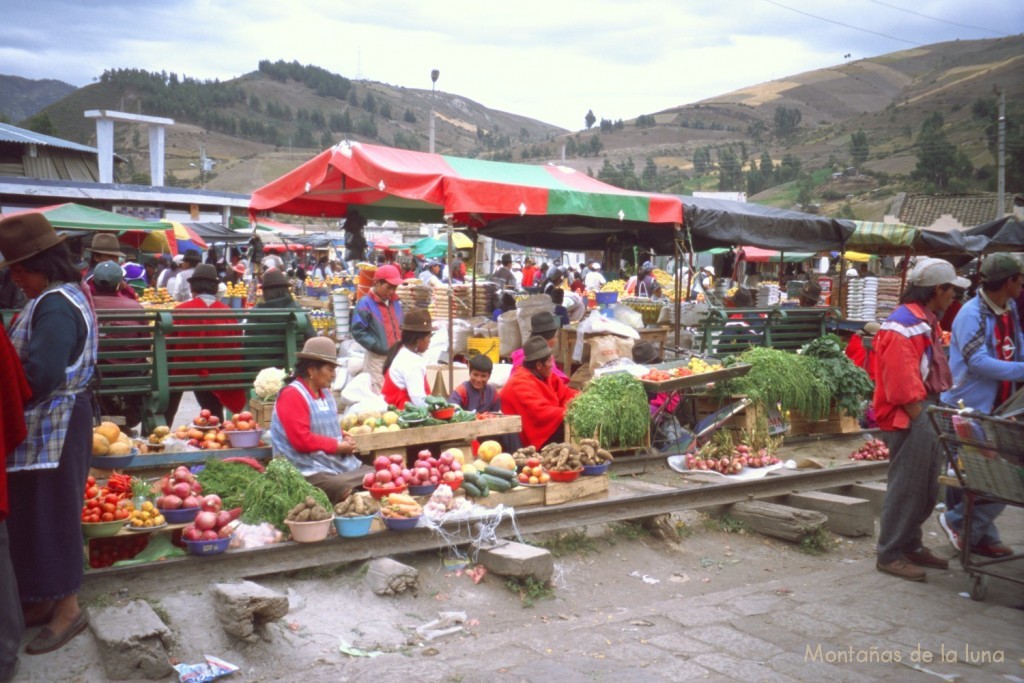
x=180 y=516
x=208 y=547
x=351 y=527
x=606 y=298
x=424 y=490
x=396 y=524
x=113 y=462
x=593 y=470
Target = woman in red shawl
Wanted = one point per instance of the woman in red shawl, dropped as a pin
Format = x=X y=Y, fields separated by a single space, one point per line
x=536 y=395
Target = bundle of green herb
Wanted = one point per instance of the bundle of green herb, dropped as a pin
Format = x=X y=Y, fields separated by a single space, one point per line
x=780 y=378
x=269 y=497
x=616 y=405
x=849 y=385
x=229 y=480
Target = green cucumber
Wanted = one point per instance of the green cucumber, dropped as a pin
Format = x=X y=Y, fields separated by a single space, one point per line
x=496 y=483
x=471 y=475
x=508 y=475
x=471 y=489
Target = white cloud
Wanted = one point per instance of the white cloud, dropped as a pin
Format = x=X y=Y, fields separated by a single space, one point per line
x=550 y=60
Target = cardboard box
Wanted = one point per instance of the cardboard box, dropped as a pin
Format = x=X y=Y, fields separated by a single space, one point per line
x=556 y=493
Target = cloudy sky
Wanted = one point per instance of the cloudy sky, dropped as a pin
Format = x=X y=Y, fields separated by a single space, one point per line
x=551 y=60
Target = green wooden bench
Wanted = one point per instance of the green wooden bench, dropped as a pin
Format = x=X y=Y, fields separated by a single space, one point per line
x=157 y=360
x=781 y=328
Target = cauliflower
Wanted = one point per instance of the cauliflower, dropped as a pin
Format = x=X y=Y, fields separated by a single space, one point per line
x=269 y=382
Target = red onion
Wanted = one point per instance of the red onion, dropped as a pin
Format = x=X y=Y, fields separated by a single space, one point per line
x=206 y=520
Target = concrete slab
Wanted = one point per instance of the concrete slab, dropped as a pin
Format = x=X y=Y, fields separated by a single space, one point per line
x=518 y=559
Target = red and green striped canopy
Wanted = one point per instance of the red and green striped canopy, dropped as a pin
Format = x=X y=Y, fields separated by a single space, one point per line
x=387 y=183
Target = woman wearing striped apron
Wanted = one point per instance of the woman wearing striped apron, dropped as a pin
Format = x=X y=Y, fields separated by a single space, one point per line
x=55 y=338
x=305 y=427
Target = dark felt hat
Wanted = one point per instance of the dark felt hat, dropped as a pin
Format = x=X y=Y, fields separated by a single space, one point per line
x=417 y=320
x=205 y=271
x=545 y=321
x=742 y=298
x=319 y=349
x=274 y=279
x=646 y=353
x=535 y=348
x=24 y=236
x=106 y=244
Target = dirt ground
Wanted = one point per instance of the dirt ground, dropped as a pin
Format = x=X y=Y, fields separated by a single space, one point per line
x=722 y=603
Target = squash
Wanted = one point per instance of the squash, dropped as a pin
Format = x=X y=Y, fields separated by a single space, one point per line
x=488 y=449
x=504 y=461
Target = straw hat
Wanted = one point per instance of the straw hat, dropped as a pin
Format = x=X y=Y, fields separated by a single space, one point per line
x=24 y=236
x=319 y=349
x=535 y=348
x=106 y=244
x=417 y=320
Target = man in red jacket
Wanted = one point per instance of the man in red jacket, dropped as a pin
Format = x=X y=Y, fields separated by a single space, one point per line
x=912 y=371
x=536 y=395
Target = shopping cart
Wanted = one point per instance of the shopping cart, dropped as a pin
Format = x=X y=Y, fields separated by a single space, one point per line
x=987 y=455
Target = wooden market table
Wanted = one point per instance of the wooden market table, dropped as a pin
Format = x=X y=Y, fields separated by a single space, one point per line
x=567 y=340
x=462 y=432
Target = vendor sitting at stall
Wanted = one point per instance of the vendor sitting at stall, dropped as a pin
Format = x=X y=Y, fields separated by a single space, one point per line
x=305 y=429
x=544 y=325
x=405 y=369
x=647 y=285
x=506 y=302
x=540 y=399
x=810 y=295
x=476 y=394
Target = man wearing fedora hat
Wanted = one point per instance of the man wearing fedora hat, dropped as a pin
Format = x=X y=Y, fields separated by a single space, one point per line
x=277 y=294
x=810 y=295
x=537 y=396
x=544 y=325
x=405 y=369
x=305 y=429
x=55 y=339
x=203 y=284
x=108 y=278
x=105 y=248
x=376 y=322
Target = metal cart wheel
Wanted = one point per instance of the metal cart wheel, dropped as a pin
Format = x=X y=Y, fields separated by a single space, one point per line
x=979 y=587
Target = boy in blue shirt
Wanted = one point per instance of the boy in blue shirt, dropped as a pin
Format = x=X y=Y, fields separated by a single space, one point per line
x=476 y=394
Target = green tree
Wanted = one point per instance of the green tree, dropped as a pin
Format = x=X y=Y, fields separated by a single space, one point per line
x=787 y=120
x=590 y=119
x=702 y=160
x=409 y=116
x=938 y=160
x=767 y=166
x=42 y=124
x=730 y=171
x=859 y=149
x=805 y=189
x=788 y=170
x=650 y=173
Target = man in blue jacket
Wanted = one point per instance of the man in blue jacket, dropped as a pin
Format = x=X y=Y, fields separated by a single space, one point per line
x=377 y=322
x=986 y=356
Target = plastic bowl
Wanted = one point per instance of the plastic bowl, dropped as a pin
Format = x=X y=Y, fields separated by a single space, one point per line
x=592 y=470
x=179 y=516
x=565 y=477
x=249 y=438
x=604 y=298
x=401 y=523
x=208 y=547
x=424 y=490
x=351 y=527
x=113 y=462
x=102 y=529
x=379 y=492
x=443 y=413
x=310 y=532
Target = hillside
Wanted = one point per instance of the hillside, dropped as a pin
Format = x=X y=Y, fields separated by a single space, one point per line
x=266 y=122
x=20 y=97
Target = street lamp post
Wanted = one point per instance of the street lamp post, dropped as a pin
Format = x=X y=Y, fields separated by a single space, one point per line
x=433 y=81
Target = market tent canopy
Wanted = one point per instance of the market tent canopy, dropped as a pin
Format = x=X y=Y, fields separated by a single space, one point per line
x=881 y=238
x=215 y=232
x=527 y=204
x=723 y=223
x=242 y=223
x=755 y=255
x=1003 y=234
x=77 y=217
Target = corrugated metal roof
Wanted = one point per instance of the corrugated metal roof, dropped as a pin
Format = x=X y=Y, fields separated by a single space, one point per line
x=9 y=133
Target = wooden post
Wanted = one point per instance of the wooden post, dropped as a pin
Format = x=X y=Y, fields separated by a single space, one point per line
x=451 y=298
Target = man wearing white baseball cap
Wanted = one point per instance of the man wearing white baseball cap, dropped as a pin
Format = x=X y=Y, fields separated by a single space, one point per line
x=912 y=371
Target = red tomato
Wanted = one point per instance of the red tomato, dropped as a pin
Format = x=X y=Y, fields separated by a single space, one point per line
x=109 y=508
x=90 y=480
x=112 y=498
x=107 y=517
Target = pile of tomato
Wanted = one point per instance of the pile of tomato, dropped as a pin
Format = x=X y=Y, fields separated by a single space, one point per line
x=655 y=375
x=101 y=504
x=104 y=552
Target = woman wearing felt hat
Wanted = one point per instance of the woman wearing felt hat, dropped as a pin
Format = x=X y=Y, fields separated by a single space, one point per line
x=544 y=325
x=536 y=395
x=55 y=337
x=305 y=428
x=405 y=369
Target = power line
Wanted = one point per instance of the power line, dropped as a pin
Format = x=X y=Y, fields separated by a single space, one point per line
x=944 y=21
x=839 y=23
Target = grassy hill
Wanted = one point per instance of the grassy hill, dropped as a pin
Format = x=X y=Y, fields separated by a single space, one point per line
x=20 y=97
x=241 y=125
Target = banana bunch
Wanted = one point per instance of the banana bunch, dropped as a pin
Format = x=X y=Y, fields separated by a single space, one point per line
x=663 y=278
x=614 y=286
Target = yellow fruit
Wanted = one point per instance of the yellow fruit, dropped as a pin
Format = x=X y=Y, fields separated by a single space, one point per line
x=100 y=445
x=162 y=431
x=370 y=422
x=119 y=448
x=389 y=418
x=458 y=455
x=504 y=461
x=378 y=430
x=488 y=449
x=109 y=430
x=394 y=428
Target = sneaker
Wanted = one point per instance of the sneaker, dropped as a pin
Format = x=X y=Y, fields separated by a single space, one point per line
x=992 y=550
x=923 y=557
x=903 y=569
x=954 y=537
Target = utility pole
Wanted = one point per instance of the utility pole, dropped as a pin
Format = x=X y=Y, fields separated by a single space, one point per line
x=1001 y=175
x=433 y=82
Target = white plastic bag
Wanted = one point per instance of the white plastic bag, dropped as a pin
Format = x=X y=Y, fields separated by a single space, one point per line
x=358 y=393
x=596 y=323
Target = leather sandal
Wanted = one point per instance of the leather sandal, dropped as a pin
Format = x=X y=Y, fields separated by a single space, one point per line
x=48 y=641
